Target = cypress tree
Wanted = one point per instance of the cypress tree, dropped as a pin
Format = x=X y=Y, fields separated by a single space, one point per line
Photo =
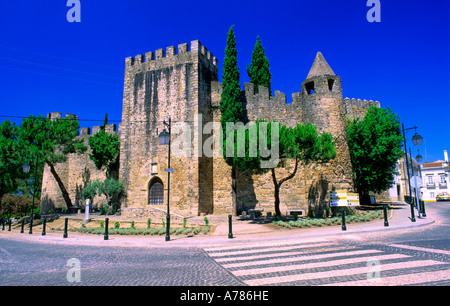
x=259 y=71
x=231 y=104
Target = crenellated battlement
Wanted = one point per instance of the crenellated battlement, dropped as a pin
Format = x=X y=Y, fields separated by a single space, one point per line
x=357 y=108
x=85 y=131
x=361 y=103
x=109 y=129
x=58 y=115
x=263 y=94
x=171 y=53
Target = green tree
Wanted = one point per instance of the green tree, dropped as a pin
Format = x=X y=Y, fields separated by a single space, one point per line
x=230 y=103
x=11 y=158
x=300 y=144
x=259 y=71
x=105 y=150
x=375 y=147
x=53 y=140
x=110 y=188
x=90 y=191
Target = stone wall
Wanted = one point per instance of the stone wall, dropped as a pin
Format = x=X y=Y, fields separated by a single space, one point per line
x=312 y=184
x=176 y=86
x=181 y=84
x=357 y=108
x=76 y=172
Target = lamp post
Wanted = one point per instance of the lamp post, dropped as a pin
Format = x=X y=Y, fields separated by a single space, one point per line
x=164 y=139
x=26 y=169
x=417 y=141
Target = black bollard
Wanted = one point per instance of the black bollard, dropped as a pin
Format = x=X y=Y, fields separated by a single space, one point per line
x=230 y=227
x=423 y=208
x=44 y=223
x=413 y=218
x=31 y=225
x=9 y=225
x=23 y=224
x=65 y=227
x=106 y=229
x=386 y=222
x=344 y=227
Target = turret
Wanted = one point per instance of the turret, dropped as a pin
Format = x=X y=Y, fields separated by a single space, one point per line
x=322 y=98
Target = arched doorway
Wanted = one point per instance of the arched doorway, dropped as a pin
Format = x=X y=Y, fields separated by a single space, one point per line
x=155 y=192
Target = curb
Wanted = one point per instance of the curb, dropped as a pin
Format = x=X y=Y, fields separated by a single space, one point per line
x=208 y=240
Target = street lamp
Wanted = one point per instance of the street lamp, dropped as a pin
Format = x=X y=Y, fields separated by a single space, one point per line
x=418 y=157
x=164 y=139
x=26 y=169
x=417 y=141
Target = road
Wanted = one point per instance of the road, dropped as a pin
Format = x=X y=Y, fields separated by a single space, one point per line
x=419 y=256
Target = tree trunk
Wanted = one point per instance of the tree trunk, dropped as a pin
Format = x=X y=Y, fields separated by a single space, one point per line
x=276 y=193
x=64 y=192
x=277 y=186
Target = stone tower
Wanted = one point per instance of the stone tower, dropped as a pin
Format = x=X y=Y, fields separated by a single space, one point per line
x=323 y=106
x=172 y=83
x=322 y=98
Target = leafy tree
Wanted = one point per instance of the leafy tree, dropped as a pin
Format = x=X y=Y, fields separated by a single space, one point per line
x=375 y=147
x=230 y=103
x=301 y=143
x=90 y=191
x=11 y=158
x=105 y=150
x=259 y=71
x=52 y=139
x=110 y=188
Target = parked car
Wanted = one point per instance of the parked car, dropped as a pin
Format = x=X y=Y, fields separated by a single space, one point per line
x=443 y=196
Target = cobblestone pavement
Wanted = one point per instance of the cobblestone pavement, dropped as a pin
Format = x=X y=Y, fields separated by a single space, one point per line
x=27 y=263
x=418 y=255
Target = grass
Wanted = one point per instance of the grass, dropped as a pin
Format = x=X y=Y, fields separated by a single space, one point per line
x=304 y=223
x=142 y=231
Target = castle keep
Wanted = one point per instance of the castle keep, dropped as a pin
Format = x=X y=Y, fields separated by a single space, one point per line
x=182 y=84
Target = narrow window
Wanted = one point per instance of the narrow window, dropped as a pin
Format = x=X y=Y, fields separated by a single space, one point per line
x=330 y=84
x=309 y=87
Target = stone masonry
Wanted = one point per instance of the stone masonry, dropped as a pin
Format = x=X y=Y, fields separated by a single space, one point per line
x=182 y=84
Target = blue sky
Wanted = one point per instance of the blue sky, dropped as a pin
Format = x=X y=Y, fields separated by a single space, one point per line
x=48 y=64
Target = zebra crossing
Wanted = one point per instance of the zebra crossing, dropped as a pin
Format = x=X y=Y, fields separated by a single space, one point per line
x=327 y=262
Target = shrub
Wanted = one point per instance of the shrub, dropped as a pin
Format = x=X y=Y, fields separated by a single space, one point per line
x=197 y=230
x=186 y=231
x=16 y=206
x=206 y=229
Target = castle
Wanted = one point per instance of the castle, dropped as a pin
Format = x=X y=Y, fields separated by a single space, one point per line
x=182 y=84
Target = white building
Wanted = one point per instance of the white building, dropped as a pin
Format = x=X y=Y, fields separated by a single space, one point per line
x=435 y=176
x=400 y=187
